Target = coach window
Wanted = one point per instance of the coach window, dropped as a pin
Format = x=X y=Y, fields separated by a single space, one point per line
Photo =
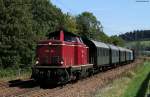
x=117 y=53
x=98 y=51
x=114 y=53
x=101 y=51
x=104 y=53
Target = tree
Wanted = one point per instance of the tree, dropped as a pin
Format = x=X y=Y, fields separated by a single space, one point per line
x=117 y=40
x=46 y=17
x=70 y=23
x=88 y=25
x=136 y=35
x=16 y=33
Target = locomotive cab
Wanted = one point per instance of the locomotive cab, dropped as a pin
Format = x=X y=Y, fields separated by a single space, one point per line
x=48 y=52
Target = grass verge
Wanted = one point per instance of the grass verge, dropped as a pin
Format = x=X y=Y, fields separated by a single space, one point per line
x=14 y=73
x=128 y=85
x=148 y=90
x=136 y=87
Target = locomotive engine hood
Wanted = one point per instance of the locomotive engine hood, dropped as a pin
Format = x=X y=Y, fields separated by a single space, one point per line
x=49 y=52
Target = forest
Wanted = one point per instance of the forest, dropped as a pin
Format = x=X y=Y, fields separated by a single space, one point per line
x=136 y=35
x=24 y=22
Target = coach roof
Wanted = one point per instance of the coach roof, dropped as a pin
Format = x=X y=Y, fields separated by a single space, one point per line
x=100 y=44
x=113 y=47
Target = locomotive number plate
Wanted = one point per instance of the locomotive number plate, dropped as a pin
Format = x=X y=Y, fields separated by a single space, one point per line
x=47 y=51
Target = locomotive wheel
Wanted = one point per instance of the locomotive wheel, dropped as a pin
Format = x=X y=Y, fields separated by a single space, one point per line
x=63 y=76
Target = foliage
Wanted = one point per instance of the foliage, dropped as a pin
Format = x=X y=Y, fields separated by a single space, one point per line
x=88 y=25
x=136 y=35
x=16 y=33
x=117 y=40
x=70 y=23
x=24 y=22
x=13 y=73
x=130 y=84
x=135 y=87
x=46 y=17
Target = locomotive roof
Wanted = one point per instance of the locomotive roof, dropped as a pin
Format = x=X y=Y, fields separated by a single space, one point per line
x=65 y=32
x=100 y=44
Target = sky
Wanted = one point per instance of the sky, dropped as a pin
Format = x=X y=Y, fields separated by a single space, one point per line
x=116 y=16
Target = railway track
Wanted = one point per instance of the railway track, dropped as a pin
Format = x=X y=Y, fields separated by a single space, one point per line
x=82 y=88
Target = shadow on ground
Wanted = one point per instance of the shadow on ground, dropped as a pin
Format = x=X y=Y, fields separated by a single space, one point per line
x=143 y=88
x=30 y=84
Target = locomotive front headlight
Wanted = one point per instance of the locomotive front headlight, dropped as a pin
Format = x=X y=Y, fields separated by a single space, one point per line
x=62 y=62
x=37 y=62
x=49 y=43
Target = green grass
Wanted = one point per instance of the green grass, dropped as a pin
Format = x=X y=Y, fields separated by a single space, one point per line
x=135 y=84
x=126 y=86
x=146 y=43
x=14 y=73
x=148 y=90
x=114 y=89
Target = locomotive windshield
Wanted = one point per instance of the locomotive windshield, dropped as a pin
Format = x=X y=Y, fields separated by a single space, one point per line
x=70 y=38
x=54 y=36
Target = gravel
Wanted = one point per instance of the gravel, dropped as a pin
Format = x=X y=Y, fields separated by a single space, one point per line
x=83 y=88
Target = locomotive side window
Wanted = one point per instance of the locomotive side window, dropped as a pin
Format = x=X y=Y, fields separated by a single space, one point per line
x=70 y=38
x=54 y=36
x=80 y=40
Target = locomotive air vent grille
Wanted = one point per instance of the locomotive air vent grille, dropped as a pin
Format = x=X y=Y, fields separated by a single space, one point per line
x=55 y=59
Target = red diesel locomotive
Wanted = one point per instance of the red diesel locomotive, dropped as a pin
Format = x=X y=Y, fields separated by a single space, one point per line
x=61 y=58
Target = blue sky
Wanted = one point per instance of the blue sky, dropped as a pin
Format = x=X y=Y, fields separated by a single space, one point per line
x=116 y=16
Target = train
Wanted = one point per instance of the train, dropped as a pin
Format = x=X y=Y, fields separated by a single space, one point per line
x=66 y=56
